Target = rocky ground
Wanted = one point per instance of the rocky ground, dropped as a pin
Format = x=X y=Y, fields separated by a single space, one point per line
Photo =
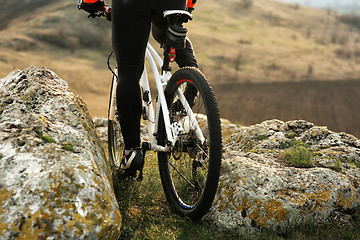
x=55 y=180
x=276 y=174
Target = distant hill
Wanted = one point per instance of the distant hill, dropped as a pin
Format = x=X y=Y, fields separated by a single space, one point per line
x=236 y=42
x=341 y=7
x=273 y=41
x=57 y=35
x=13 y=9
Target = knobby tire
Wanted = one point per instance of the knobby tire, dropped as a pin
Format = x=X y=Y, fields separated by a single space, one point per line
x=190 y=181
x=115 y=140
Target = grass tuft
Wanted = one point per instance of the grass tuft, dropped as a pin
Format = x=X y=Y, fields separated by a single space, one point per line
x=299 y=156
x=291 y=134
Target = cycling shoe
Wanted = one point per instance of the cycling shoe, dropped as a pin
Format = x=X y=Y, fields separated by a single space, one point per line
x=132 y=162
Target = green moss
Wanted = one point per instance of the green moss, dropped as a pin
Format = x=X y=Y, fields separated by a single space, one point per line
x=261 y=137
x=68 y=147
x=341 y=157
x=254 y=151
x=292 y=143
x=45 y=138
x=284 y=145
x=298 y=143
x=353 y=162
x=38 y=131
x=318 y=154
x=48 y=139
x=29 y=97
x=337 y=166
x=291 y=134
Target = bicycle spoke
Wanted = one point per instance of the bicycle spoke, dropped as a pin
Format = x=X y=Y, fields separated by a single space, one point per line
x=186 y=171
x=198 y=171
x=181 y=175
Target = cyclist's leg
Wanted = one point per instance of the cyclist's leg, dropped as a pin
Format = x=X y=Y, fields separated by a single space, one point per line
x=184 y=57
x=131 y=27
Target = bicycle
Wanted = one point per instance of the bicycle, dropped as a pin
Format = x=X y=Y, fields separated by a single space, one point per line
x=184 y=128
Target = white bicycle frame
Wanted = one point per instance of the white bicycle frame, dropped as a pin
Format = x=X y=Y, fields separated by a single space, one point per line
x=173 y=130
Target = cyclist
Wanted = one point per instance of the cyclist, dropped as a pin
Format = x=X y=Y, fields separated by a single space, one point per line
x=131 y=24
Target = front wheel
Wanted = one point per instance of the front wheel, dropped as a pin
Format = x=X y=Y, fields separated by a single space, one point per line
x=190 y=172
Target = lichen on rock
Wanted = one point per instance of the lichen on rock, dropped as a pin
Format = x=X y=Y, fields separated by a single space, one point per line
x=55 y=181
x=260 y=189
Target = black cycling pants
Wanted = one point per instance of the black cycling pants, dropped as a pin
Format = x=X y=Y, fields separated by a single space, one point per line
x=132 y=21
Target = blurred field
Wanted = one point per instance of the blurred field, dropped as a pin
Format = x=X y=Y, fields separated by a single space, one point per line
x=335 y=104
x=265 y=59
x=234 y=40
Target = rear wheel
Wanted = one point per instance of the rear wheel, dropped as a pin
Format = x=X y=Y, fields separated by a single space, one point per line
x=116 y=144
x=190 y=172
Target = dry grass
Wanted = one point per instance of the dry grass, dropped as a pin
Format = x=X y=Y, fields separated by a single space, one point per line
x=267 y=41
x=271 y=33
x=334 y=104
x=84 y=77
x=233 y=43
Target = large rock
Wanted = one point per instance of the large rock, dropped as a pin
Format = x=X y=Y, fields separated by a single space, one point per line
x=55 y=182
x=260 y=189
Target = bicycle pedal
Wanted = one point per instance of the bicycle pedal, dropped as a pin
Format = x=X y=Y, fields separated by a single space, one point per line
x=130 y=175
x=145 y=147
